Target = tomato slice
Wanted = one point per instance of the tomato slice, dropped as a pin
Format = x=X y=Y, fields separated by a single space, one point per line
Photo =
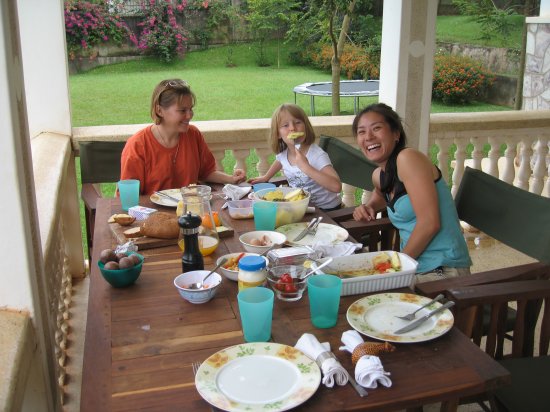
x=382 y=267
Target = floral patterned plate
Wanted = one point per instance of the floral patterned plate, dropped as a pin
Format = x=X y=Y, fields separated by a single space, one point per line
x=375 y=316
x=326 y=233
x=164 y=201
x=258 y=377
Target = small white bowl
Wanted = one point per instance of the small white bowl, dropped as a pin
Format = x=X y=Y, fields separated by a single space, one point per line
x=277 y=238
x=234 y=274
x=181 y=282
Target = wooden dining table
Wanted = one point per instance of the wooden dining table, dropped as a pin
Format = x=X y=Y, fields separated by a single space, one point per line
x=141 y=340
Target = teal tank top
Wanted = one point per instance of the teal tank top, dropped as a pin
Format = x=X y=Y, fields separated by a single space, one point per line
x=448 y=247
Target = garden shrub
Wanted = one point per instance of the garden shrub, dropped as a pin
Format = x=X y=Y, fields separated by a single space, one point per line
x=161 y=34
x=89 y=24
x=458 y=79
x=355 y=62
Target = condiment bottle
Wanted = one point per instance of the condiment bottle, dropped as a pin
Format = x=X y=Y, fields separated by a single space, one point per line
x=192 y=257
x=252 y=272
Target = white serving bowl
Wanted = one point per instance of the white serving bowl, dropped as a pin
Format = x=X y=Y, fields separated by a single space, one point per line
x=278 y=238
x=182 y=282
x=287 y=212
x=233 y=274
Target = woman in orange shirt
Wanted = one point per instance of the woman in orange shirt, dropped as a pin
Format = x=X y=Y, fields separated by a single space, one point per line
x=171 y=153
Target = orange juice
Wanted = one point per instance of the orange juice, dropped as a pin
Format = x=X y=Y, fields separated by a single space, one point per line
x=207 y=244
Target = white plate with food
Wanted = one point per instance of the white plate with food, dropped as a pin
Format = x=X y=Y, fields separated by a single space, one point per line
x=161 y=200
x=258 y=377
x=376 y=316
x=325 y=233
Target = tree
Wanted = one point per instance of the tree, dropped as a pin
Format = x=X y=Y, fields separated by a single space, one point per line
x=268 y=18
x=329 y=19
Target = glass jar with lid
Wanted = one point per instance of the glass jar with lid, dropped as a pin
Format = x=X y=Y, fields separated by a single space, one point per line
x=252 y=272
x=196 y=199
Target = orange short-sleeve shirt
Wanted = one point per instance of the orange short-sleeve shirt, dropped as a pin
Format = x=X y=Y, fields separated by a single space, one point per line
x=159 y=168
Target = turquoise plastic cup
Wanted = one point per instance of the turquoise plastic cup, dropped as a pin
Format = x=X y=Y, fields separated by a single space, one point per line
x=265 y=215
x=256 y=309
x=129 y=193
x=324 y=300
x=262 y=186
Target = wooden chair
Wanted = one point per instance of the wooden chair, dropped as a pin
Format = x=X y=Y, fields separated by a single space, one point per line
x=99 y=163
x=354 y=169
x=530 y=369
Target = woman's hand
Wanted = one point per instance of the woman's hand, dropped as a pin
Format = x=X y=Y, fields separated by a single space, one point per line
x=238 y=176
x=364 y=213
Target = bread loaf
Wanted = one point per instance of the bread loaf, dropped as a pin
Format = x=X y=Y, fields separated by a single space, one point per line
x=133 y=232
x=161 y=225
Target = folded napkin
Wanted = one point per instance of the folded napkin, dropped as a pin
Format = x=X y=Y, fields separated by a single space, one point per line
x=332 y=370
x=234 y=192
x=339 y=249
x=369 y=371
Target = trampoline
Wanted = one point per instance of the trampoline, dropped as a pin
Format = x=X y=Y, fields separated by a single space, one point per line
x=348 y=88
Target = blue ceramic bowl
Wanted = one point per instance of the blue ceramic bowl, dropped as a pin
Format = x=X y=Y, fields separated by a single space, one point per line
x=182 y=282
x=122 y=277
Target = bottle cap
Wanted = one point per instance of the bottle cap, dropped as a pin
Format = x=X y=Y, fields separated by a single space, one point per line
x=252 y=263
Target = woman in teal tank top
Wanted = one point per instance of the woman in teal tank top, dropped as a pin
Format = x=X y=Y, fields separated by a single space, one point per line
x=418 y=201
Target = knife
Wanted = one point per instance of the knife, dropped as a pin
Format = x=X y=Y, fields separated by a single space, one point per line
x=304 y=232
x=423 y=319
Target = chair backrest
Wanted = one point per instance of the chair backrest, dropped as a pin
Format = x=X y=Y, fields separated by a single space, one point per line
x=100 y=161
x=513 y=216
x=528 y=295
x=350 y=164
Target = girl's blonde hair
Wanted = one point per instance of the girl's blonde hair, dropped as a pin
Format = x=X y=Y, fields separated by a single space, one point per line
x=278 y=145
x=168 y=92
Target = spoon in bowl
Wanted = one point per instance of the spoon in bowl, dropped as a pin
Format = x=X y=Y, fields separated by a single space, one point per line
x=199 y=285
x=312 y=271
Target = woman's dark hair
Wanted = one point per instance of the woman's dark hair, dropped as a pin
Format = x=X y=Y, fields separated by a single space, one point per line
x=396 y=125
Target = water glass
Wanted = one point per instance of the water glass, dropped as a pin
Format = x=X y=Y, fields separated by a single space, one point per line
x=129 y=193
x=265 y=215
x=324 y=299
x=256 y=309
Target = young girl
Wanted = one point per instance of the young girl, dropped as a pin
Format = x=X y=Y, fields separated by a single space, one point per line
x=304 y=164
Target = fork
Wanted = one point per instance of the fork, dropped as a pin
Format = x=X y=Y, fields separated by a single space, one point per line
x=411 y=315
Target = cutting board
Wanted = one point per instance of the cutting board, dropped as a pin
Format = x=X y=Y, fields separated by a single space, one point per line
x=145 y=242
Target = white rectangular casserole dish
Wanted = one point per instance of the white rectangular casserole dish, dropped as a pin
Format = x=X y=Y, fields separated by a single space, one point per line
x=371 y=283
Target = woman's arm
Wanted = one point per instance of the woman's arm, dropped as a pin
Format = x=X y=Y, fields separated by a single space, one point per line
x=221 y=177
x=375 y=204
x=272 y=171
x=418 y=174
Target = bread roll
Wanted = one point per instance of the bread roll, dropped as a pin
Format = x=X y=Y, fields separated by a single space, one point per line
x=161 y=225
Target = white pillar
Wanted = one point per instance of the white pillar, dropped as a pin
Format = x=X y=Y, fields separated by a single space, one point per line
x=406 y=64
x=20 y=247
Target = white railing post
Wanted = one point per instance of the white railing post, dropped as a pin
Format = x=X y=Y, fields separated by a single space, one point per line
x=524 y=172
x=509 y=172
x=460 y=157
x=539 y=165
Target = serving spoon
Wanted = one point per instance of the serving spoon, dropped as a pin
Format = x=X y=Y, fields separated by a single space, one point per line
x=199 y=285
x=312 y=271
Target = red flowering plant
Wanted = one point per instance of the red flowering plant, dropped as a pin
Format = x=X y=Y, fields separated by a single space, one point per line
x=459 y=79
x=160 y=32
x=89 y=24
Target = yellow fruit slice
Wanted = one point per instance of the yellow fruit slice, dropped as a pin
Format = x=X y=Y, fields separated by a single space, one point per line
x=293 y=193
x=295 y=135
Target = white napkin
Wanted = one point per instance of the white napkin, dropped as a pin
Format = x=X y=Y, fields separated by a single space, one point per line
x=234 y=192
x=369 y=370
x=339 y=249
x=332 y=370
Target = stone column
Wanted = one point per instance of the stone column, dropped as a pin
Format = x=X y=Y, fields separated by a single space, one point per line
x=536 y=80
x=406 y=66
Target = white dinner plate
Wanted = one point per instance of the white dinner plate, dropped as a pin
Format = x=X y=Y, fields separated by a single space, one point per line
x=326 y=233
x=375 y=316
x=164 y=201
x=258 y=377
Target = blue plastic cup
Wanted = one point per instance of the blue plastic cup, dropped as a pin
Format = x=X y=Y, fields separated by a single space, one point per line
x=324 y=299
x=256 y=309
x=261 y=186
x=265 y=215
x=129 y=193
